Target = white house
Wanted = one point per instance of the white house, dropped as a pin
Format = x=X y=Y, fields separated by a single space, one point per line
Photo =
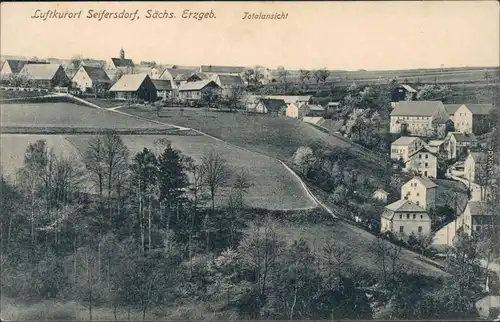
x=380 y=195
x=228 y=82
x=419 y=118
x=421 y=191
x=402 y=148
x=11 y=66
x=193 y=91
x=471 y=164
x=269 y=106
x=451 y=109
x=297 y=110
x=456 y=143
x=90 y=79
x=403 y=218
x=424 y=162
x=473 y=118
x=116 y=64
x=435 y=146
x=477 y=217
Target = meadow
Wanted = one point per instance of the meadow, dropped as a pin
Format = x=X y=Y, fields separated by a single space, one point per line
x=67 y=115
x=273 y=188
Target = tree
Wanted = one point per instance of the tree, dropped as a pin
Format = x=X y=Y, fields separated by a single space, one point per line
x=144 y=178
x=389 y=259
x=211 y=96
x=303 y=159
x=248 y=75
x=336 y=257
x=241 y=185
x=304 y=76
x=215 y=173
x=283 y=78
x=76 y=61
x=234 y=99
x=18 y=80
x=339 y=195
x=321 y=75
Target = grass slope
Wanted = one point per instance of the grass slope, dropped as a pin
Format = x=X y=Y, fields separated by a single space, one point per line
x=66 y=115
x=274 y=187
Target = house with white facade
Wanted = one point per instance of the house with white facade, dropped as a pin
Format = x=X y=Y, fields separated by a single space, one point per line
x=421 y=191
x=473 y=118
x=456 y=143
x=472 y=163
x=477 y=217
x=91 y=79
x=402 y=148
x=404 y=217
x=419 y=118
x=297 y=110
x=423 y=162
x=380 y=195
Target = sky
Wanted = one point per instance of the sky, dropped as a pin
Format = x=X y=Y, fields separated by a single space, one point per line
x=335 y=35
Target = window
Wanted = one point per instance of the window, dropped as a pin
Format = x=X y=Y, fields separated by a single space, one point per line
x=420 y=156
x=421 y=216
x=426 y=164
x=400 y=216
x=419 y=229
x=414 y=216
x=401 y=229
x=427 y=156
x=418 y=203
x=418 y=194
x=407 y=216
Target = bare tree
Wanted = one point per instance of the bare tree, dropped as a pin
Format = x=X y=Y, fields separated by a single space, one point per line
x=337 y=256
x=215 y=173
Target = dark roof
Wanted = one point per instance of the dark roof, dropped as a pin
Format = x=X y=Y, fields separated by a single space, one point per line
x=463 y=137
x=316 y=108
x=96 y=74
x=125 y=62
x=178 y=71
x=162 y=84
x=478 y=208
x=93 y=62
x=17 y=65
x=273 y=105
x=222 y=69
x=231 y=80
x=422 y=149
x=452 y=108
x=417 y=108
x=402 y=205
x=408 y=88
x=480 y=109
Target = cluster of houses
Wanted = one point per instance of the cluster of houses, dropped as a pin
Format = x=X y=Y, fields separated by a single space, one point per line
x=431 y=129
x=123 y=79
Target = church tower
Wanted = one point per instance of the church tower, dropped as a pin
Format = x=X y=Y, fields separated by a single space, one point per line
x=122 y=53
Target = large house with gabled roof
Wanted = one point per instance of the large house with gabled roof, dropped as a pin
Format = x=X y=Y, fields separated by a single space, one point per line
x=421 y=191
x=45 y=75
x=473 y=118
x=402 y=148
x=193 y=91
x=404 y=217
x=134 y=86
x=13 y=67
x=269 y=106
x=422 y=161
x=91 y=79
x=419 y=118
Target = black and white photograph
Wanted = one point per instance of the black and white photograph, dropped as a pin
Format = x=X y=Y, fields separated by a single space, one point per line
x=260 y=160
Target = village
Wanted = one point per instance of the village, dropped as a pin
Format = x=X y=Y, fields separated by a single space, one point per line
x=432 y=144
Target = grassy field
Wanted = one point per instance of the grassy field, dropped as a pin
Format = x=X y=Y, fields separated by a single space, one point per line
x=273 y=188
x=362 y=244
x=66 y=115
x=277 y=137
x=6 y=94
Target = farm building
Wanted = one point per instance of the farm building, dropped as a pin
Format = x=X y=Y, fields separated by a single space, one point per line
x=403 y=218
x=315 y=110
x=91 y=79
x=201 y=76
x=269 y=106
x=45 y=75
x=476 y=217
x=456 y=143
x=135 y=86
x=473 y=118
x=176 y=76
x=229 y=82
x=163 y=88
x=452 y=109
x=420 y=118
x=193 y=91
x=403 y=93
x=11 y=66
